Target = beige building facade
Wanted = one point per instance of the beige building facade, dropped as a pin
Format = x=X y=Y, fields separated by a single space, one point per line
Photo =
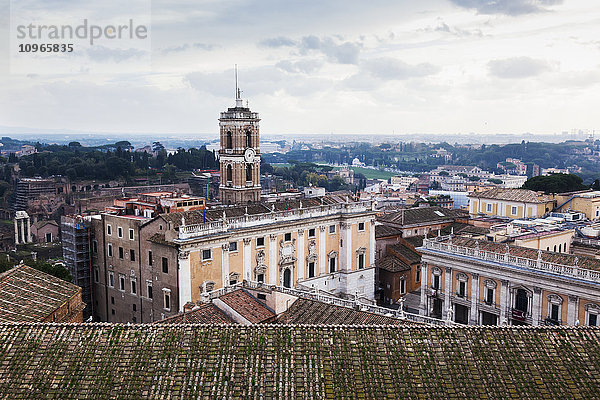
x=510 y=203
x=484 y=283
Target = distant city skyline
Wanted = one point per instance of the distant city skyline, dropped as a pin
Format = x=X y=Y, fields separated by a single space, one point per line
x=382 y=67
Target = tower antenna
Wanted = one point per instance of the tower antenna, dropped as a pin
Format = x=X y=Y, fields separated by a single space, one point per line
x=237 y=90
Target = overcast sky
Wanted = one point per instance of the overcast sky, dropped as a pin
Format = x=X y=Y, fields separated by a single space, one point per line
x=318 y=66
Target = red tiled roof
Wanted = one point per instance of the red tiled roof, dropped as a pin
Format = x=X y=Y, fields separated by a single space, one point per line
x=206 y=314
x=305 y=311
x=248 y=306
x=29 y=295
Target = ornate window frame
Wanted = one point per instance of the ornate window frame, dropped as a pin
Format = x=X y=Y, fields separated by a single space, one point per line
x=592 y=308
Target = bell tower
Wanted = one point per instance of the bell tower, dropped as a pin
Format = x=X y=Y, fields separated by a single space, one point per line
x=240 y=153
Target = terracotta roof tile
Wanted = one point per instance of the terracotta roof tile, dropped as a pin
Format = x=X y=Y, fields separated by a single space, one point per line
x=248 y=306
x=291 y=362
x=524 y=195
x=29 y=295
x=305 y=311
x=206 y=314
x=392 y=263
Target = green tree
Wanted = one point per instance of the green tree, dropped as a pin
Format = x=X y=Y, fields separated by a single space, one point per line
x=555 y=183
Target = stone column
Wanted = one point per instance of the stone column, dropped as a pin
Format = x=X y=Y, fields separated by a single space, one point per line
x=322 y=255
x=16 y=232
x=447 y=289
x=301 y=258
x=247 y=255
x=273 y=259
x=536 y=307
x=424 y=288
x=29 y=239
x=225 y=264
x=474 y=317
x=503 y=301
x=22 y=222
x=572 y=311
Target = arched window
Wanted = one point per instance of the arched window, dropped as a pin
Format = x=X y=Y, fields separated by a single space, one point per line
x=248 y=172
x=229 y=140
x=248 y=138
x=229 y=173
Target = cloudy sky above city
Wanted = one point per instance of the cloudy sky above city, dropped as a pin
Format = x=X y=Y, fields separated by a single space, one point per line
x=314 y=66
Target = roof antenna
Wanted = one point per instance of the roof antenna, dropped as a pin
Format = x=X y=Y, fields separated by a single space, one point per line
x=238 y=98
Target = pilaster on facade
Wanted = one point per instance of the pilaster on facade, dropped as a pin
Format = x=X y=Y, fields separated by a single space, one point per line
x=573 y=306
x=273 y=259
x=424 y=289
x=225 y=264
x=503 y=301
x=301 y=259
x=536 y=306
x=448 y=291
x=247 y=254
x=474 y=317
x=322 y=251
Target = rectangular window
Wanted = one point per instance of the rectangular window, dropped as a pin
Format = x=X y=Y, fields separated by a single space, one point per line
x=311 y=269
x=260 y=277
x=112 y=300
x=131 y=234
x=110 y=253
x=436 y=282
x=108 y=230
x=312 y=232
x=403 y=286
x=96 y=275
x=260 y=242
x=132 y=254
x=112 y=311
x=232 y=246
x=150 y=258
x=592 y=320
x=462 y=289
x=122 y=283
x=418 y=277
x=489 y=207
x=331 y=228
x=361 y=226
x=489 y=296
x=207 y=253
x=165 y=265
x=554 y=311
x=95 y=246
x=361 y=261
x=513 y=210
x=149 y=289
x=120 y=232
x=287 y=237
x=167 y=301
x=121 y=253
x=134 y=310
x=332 y=264
x=111 y=279
x=133 y=286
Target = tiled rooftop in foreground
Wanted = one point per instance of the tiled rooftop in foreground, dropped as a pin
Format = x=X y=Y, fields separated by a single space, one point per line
x=205 y=314
x=29 y=295
x=304 y=361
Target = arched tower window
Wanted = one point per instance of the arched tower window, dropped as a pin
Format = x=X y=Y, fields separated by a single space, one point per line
x=229 y=140
x=229 y=173
x=248 y=172
x=248 y=138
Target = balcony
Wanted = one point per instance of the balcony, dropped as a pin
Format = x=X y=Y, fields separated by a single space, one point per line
x=552 y=322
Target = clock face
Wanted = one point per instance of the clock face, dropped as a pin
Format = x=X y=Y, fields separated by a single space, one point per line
x=249 y=155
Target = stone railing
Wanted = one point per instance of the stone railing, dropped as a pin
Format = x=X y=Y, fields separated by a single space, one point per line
x=443 y=244
x=311 y=295
x=245 y=221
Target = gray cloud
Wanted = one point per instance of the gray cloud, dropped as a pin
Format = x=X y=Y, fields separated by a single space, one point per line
x=187 y=46
x=387 y=68
x=507 y=7
x=445 y=28
x=342 y=53
x=103 y=54
x=279 y=41
x=518 y=67
x=301 y=66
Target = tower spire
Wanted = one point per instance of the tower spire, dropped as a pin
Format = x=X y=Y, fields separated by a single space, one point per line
x=238 y=92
